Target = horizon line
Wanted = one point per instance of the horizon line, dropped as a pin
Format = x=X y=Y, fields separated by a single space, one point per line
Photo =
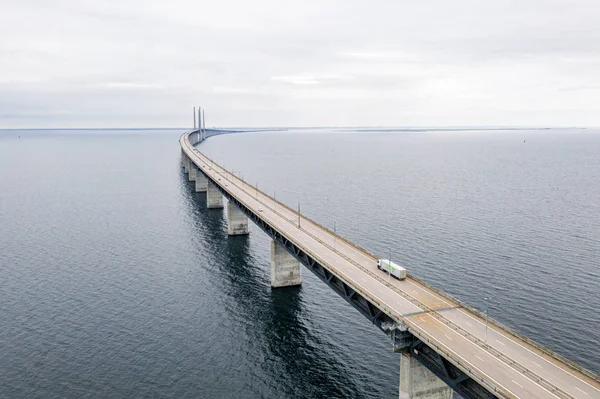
x=380 y=127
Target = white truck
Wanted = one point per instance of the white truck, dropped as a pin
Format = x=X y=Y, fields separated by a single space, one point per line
x=390 y=267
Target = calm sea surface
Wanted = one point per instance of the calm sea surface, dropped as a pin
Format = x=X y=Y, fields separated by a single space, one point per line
x=116 y=281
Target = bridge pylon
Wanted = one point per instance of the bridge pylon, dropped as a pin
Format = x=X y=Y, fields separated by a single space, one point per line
x=192 y=169
x=285 y=268
x=416 y=381
x=214 y=199
x=201 y=181
x=237 y=221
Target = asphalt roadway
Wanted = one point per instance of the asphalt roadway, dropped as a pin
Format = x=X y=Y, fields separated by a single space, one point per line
x=502 y=362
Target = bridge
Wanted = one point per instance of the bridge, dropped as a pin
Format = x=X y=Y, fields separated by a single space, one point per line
x=444 y=344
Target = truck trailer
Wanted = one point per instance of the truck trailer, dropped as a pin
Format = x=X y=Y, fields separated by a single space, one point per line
x=390 y=267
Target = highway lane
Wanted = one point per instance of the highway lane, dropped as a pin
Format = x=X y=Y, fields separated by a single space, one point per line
x=359 y=269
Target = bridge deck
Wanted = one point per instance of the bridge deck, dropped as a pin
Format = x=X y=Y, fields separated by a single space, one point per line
x=505 y=364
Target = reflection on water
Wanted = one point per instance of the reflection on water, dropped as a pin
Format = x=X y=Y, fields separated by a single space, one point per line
x=290 y=348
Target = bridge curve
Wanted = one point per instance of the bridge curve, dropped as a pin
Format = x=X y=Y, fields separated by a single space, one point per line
x=429 y=327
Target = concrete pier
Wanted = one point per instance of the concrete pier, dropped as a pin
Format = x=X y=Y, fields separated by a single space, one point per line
x=416 y=381
x=201 y=182
x=214 y=199
x=237 y=221
x=192 y=175
x=285 y=269
x=186 y=164
x=451 y=345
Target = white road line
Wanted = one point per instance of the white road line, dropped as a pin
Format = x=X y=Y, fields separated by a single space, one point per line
x=479 y=358
x=517 y=383
x=501 y=343
x=509 y=337
x=468 y=315
x=582 y=391
x=466 y=322
x=447 y=337
x=537 y=355
x=501 y=361
x=276 y=225
x=537 y=364
x=465 y=360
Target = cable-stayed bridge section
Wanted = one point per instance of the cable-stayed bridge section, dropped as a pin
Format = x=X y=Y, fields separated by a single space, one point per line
x=445 y=345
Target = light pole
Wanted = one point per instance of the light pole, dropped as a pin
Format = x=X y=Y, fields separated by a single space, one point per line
x=203 y=126
x=390 y=267
x=333 y=235
x=298 y=214
x=485 y=309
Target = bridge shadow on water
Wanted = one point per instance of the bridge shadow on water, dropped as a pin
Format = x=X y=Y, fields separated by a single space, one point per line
x=296 y=361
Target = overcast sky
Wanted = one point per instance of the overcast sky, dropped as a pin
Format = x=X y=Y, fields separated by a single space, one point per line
x=132 y=63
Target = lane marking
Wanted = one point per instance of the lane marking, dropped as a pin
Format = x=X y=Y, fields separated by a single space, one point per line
x=345 y=274
x=243 y=191
x=501 y=343
x=519 y=372
x=480 y=358
x=537 y=364
x=465 y=360
x=509 y=337
x=445 y=335
x=517 y=383
x=582 y=391
x=466 y=322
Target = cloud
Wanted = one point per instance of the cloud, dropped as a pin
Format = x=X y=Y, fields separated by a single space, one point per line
x=297 y=80
x=129 y=85
x=311 y=79
x=308 y=62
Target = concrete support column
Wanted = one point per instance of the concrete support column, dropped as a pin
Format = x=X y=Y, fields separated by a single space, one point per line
x=201 y=182
x=285 y=269
x=237 y=221
x=214 y=199
x=192 y=175
x=186 y=163
x=416 y=381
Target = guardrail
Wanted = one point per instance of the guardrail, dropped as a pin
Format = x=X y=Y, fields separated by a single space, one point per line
x=509 y=330
x=401 y=319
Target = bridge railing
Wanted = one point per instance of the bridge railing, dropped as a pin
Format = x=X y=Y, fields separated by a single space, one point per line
x=462 y=304
x=398 y=319
x=437 y=291
x=509 y=330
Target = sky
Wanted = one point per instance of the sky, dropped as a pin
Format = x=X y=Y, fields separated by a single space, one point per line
x=131 y=63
